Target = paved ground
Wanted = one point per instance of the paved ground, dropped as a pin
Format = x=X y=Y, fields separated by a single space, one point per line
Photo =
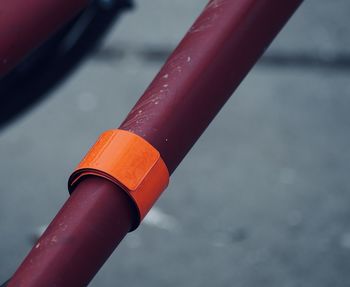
x=263 y=199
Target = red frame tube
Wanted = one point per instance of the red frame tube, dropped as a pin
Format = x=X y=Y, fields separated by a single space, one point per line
x=201 y=74
x=79 y=240
x=24 y=25
x=198 y=78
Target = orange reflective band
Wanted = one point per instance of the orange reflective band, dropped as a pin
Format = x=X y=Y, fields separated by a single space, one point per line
x=130 y=162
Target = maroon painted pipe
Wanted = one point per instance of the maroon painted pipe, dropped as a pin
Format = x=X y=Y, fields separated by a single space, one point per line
x=79 y=240
x=24 y=25
x=204 y=70
x=201 y=74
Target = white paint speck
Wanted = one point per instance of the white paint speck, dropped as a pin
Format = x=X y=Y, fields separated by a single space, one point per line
x=166 y=140
x=165 y=85
x=188 y=59
x=140 y=111
x=37 y=246
x=157 y=218
x=156 y=103
x=166 y=76
x=64 y=227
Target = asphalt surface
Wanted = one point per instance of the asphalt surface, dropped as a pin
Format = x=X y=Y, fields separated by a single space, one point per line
x=263 y=199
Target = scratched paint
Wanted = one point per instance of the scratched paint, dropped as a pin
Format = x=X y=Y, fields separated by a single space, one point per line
x=204 y=70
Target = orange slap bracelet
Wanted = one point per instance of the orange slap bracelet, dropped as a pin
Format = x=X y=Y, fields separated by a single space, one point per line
x=129 y=161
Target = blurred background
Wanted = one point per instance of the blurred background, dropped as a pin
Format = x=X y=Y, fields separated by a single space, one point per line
x=263 y=199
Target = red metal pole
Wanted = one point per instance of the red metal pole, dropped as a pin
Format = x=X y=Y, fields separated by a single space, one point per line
x=24 y=25
x=204 y=70
x=79 y=240
x=198 y=78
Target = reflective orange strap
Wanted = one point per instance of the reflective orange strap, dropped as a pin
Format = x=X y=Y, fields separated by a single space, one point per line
x=130 y=162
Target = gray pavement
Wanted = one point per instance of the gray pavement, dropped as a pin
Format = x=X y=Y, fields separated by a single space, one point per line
x=263 y=199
